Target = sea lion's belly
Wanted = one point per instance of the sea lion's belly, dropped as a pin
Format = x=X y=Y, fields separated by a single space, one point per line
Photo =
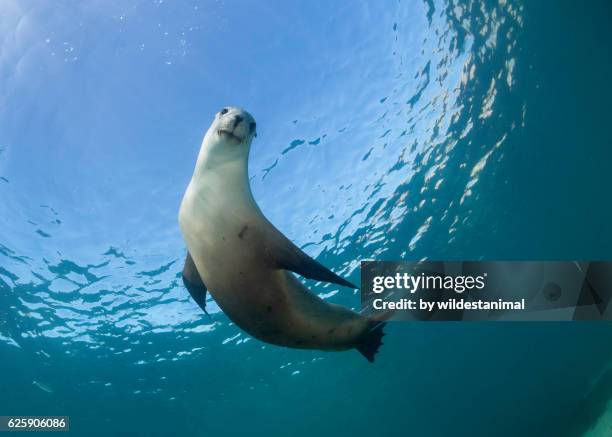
x=221 y=241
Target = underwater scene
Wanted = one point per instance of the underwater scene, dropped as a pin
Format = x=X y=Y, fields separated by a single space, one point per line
x=386 y=130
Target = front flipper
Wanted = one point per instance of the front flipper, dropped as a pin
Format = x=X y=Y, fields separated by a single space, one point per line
x=288 y=256
x=194 y=284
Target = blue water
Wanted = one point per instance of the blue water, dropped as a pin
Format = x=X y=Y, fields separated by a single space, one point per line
x=387 y=130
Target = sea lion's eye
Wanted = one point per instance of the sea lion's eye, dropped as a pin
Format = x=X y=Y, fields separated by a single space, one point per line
x=224 y=111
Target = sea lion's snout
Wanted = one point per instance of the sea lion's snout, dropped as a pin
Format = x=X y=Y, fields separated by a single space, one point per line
x=236 y=123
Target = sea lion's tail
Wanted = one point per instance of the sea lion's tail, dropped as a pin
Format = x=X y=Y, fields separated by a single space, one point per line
x=371 y=340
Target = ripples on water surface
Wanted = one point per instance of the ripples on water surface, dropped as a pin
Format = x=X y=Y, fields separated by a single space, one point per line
x=388 y=130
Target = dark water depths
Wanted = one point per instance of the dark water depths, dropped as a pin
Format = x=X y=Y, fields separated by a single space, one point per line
x=387 y=130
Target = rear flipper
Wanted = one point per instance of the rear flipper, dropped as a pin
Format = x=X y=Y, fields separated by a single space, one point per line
x=371 y=340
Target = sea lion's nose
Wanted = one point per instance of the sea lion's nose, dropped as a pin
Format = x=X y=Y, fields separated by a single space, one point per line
x=237 y=120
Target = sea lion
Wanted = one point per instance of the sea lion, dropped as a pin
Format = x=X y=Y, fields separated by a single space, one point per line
x=245 y=263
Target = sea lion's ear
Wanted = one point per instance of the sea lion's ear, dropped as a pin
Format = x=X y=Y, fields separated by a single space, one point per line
x=194 y=284
x=288 y=256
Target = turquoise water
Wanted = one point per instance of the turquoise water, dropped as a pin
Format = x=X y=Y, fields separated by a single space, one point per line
x=387 y=130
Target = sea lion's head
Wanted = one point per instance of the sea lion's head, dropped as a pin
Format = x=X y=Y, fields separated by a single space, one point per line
x=234 y=126
x=228 y=138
